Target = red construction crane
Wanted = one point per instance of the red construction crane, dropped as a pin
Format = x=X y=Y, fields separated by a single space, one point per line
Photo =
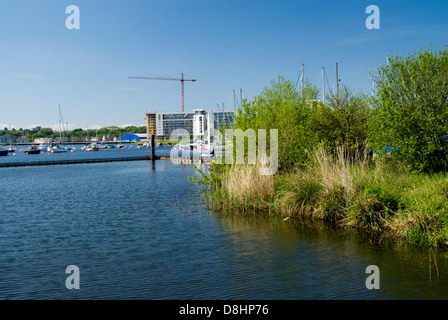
x=175 y=79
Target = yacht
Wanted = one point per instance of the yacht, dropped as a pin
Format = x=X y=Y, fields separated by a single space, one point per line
x=57 y=149
x=93 y=147
x=11 y=148
x=42 y=147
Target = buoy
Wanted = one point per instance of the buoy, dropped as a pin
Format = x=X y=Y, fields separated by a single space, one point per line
x=20 y=150
x=72 y=150
x=14 y=154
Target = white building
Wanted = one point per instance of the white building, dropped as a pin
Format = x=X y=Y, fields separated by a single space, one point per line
x=195 y=123
x=43 y=140
x=199 y=123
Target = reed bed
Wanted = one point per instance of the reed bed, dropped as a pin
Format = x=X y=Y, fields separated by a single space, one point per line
x=345 y=187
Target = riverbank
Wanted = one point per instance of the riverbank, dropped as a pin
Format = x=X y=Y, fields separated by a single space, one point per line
x=353 y=192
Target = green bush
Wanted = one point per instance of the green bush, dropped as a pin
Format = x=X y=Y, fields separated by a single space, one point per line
x=411 y=109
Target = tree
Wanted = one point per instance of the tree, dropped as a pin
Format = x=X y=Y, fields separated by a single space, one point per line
x=343 y=120
x=46 y=131
x=281 y=107
x=411 y=110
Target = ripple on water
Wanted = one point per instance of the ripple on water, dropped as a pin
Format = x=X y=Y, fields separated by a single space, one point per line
x=138 y=232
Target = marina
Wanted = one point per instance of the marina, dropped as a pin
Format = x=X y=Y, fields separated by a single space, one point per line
x=79 y=156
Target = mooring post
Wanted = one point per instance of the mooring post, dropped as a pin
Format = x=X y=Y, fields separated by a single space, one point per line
x=153 y=147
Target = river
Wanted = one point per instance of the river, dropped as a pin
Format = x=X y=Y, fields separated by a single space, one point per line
x=139 y=231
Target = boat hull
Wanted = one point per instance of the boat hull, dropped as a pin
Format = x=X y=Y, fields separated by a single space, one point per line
x=32 y=151
x=58 y=151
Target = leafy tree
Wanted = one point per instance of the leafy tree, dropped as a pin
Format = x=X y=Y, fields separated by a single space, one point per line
x=411 y=110
x=343 y=120
x=281 y=107
x=46 y=131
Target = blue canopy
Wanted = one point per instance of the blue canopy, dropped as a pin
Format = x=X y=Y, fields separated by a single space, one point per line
x=129 y=137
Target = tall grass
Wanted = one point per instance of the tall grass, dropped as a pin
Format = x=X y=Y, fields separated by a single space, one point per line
x=347 y=188
x=242 y=187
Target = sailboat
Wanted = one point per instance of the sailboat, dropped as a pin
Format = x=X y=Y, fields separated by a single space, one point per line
x=211 y=152
x=94 y=146
x=58 y=148
x=10 y=148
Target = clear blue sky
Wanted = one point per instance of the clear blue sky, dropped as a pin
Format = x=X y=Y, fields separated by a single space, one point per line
x=225 y=44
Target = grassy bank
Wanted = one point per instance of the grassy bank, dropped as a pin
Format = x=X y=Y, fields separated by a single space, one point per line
x=353 y=191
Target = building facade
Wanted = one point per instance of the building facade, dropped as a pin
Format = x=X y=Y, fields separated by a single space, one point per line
x=43 y=140
x=222 y=119
x=162 y=124
x=167 y=122
x=5 y=139
x=199 y=123
x=23 y=140
x=150 y=123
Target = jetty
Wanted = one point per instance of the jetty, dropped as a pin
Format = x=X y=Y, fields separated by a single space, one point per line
x=190 y=159
x=75 y=161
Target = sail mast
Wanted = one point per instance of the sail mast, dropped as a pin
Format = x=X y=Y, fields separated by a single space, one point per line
x=60 y=126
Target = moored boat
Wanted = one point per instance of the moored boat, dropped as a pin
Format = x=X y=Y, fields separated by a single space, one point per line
x=57 y=149
x=32 y=150
x=42 y=147
x=93 y=147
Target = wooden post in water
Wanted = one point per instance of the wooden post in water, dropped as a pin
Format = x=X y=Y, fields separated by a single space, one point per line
x=153 y=147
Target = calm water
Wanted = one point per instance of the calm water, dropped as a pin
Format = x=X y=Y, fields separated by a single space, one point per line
x=139 y=232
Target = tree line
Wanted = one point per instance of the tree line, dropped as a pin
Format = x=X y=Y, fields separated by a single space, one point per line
x=33 y=134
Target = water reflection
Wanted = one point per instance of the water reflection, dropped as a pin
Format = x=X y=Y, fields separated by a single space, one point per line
x=303 y=259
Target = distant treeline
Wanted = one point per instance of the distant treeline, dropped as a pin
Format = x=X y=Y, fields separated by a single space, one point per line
x=33 y=134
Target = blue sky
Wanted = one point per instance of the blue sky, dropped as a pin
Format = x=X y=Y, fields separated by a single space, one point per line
x=225 y=45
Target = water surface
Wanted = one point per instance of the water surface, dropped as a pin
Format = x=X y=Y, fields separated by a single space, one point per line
x=138 y=231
